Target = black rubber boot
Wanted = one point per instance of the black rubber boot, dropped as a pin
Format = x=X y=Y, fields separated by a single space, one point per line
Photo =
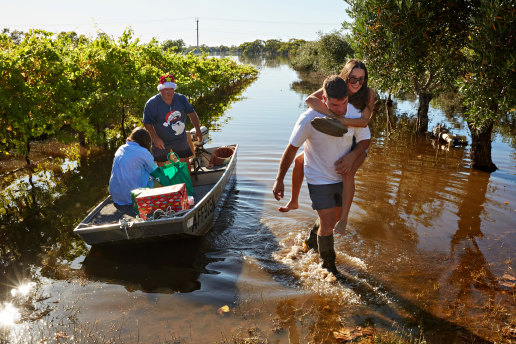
x=327 y=253
x=311 y=240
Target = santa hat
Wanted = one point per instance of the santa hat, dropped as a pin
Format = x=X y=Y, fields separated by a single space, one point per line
x=166 y=81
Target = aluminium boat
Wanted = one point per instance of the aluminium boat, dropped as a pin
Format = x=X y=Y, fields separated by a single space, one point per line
x=108 y=223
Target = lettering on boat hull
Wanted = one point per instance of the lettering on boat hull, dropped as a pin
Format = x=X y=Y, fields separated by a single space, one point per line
x=204 y=214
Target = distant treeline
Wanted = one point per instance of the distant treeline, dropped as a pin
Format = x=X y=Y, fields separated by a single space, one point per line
x=271 y=47
x=326 y=55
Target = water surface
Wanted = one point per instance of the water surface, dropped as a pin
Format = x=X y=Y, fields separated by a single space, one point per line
x=429 y=247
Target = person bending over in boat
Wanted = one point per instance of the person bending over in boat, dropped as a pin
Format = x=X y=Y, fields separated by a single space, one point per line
x=132 y=167
x=324 y=163
x=361 y=97
x=164 y=116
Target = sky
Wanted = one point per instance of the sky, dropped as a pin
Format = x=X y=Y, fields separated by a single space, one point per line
x=227 y=22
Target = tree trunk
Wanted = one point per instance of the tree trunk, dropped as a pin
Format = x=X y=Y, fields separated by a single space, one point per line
x=481 y=148
x=82 y=139
x=389 y=100
x=388 y=110
x=29 y=165
x=422 y=112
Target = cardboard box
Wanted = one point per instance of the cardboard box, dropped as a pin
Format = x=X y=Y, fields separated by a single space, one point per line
x=173 y=196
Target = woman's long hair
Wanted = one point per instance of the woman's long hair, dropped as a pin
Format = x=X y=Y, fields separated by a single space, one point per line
x=141 y=136
x=360 y=98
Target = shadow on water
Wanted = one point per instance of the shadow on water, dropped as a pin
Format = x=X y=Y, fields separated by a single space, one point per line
x=161 y=267
x=185 y=264
x=240 y=232
x=394 y=306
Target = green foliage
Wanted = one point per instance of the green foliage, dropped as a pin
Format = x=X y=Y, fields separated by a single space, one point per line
x=488 y=84
x=16 y=35
x=334 y=51
x=291 y=47
x=327 y=55
x=97 y=88
x=176 y=46
x=426 y=46
x=34 y=88
x=252 y=48
x=271 y=47
x=306 y=58
x=409 y=46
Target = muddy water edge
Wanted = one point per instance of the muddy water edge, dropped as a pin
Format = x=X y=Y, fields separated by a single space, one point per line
x=429 y=249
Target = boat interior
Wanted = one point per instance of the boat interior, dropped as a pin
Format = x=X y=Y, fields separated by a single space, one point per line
x=203 y=180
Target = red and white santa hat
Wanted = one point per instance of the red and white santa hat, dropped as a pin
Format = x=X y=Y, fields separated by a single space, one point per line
x=167 y=81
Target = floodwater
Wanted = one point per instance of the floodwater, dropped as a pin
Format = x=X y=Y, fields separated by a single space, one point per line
x=429 y=249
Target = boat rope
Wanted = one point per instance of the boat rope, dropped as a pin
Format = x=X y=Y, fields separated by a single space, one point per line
x=124 y=225
x=168 y=212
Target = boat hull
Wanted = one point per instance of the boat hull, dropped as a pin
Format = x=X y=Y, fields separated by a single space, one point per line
x=196 y=222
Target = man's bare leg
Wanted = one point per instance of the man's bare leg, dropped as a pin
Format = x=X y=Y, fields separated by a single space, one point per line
x=327 y=219
x=298 y=174
x=348 y=192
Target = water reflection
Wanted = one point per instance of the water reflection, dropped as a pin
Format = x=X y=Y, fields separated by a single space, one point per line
x=472 y=268
x=211 y=108
x=165 y=267
x=267 y=61
x=38 y=218
x=9 y=315
x=306 y=86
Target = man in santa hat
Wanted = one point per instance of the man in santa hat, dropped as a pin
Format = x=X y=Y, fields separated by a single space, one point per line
x=164 y=117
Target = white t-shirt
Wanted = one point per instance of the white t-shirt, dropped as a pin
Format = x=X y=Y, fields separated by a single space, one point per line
x=322 y=150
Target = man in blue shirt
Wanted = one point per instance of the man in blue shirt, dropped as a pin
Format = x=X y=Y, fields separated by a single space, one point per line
x=132 y=166
x=164 y=117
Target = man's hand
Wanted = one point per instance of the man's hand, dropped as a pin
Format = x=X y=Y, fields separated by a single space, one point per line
x=278 y=189
x=288 y=156
x=158 y=143
x=344 y=164
x=195 y=121
x=198 y=135
x=331 y=114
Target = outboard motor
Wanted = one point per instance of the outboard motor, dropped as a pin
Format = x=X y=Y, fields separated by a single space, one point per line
x=204 y=132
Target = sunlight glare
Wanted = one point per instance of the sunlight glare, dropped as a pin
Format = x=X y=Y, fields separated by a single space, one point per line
x=23 y=290
x=9 y=314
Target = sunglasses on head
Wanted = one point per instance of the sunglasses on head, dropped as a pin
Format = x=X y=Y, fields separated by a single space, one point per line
x=352 y=80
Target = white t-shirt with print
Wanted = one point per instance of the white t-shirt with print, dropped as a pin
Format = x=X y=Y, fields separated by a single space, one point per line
x=322 y=150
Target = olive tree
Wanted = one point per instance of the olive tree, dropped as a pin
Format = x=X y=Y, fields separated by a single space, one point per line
x=327 y=55
x=410 y=46
x=252 y=48
x=488 y=84
x=177 y=45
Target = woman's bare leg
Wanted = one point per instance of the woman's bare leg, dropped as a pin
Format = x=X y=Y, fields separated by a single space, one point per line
x=348 y=192
x=298 y=174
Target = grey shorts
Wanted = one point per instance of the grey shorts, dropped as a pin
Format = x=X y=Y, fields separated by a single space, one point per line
x=182 y=148
x=325 y=196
